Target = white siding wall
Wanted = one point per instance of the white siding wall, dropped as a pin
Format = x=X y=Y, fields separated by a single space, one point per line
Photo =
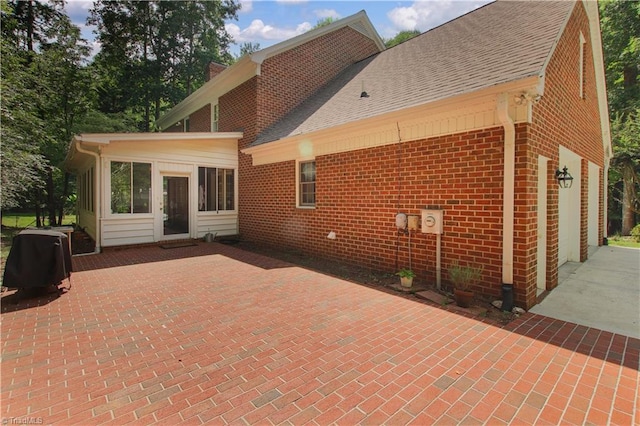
x=127 y=230
x=167 y=158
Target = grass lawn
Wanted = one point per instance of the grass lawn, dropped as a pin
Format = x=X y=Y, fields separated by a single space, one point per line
x=619 y=241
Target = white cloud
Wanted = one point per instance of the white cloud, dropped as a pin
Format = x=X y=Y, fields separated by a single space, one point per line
x=258 y=31
x=246 y=6
x=326 y=13
x=424 y=15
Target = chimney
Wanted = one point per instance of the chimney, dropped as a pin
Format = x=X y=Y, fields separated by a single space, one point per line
x=213 y=69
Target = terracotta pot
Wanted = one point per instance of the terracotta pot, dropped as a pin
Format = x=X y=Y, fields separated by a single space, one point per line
x=463 y=298
x=406 y=281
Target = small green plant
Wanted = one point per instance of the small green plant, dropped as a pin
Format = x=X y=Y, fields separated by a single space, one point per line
x=406 y=273
x=635 y=233
x=463 y=277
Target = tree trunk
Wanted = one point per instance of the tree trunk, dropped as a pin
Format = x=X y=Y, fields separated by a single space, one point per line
x=628 y=215
x=65 y=189
x=51 y=200
x=38 y=211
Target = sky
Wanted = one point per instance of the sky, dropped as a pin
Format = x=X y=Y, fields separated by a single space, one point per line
x=268 y=22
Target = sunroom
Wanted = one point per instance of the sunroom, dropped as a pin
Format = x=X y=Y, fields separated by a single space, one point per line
x=140 y=188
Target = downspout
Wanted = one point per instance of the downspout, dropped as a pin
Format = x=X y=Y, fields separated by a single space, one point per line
x=98 y=194
x=508 y=195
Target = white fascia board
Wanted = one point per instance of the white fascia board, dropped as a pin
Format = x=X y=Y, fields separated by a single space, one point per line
x=394 y=126
x=107 y=138
x=227 y=80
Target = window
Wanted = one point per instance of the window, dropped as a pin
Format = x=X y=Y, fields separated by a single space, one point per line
x=307 y=182
x=215 y=114
x=216 y=189
x=85 y=190
x=187 y=124
x=130 y=187
x=583 y=59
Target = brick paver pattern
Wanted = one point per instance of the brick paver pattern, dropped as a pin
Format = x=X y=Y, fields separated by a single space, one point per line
x=214 y=334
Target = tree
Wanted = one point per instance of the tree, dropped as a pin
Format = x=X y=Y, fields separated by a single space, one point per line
x=248 y=48
x=154 y=52
x=625 y=168
x=324 y=22
x=21 y=160
x=401 y=37
x=620 y=23
x=43 y=77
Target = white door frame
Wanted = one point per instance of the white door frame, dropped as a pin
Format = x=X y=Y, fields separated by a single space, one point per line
x=159 y=219
x=569 y=210
x=541 y=279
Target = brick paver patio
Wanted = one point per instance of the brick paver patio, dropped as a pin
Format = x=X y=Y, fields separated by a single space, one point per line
x=213 y=334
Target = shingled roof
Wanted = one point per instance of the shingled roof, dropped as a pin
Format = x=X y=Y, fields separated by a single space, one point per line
x=501 y=42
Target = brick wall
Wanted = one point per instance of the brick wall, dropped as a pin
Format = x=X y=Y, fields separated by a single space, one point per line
x=200 y=121
x=290 y=77
x=360 y=192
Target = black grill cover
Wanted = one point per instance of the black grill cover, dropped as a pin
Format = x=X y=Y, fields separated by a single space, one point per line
x=38 y=258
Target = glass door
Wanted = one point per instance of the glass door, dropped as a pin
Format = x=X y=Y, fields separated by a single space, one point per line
x=175 y=216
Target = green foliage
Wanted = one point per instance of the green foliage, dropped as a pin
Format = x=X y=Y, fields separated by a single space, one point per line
x=324 y=22
x=44 y=87
x=406 y=273
x=154 y=53
x=401 y=37
x=463 y=277
x=248 y=48
x=635 y=233
x=620 y=26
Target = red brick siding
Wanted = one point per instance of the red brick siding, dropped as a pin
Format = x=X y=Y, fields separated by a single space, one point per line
x=290 y=77
x=200 y=121
x=212 y=70
x=359 y=193
x=563 y=117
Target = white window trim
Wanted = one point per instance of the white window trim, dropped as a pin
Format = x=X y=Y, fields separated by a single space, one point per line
x=109 y=214
x=215 y=117
x=235 y=191
x=583 y=43
x=298 y=161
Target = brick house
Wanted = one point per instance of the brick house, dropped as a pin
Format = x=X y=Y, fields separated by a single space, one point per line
x=468 y=123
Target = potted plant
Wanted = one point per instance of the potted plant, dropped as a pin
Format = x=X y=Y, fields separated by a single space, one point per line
x=406 y=277
x=463 y=278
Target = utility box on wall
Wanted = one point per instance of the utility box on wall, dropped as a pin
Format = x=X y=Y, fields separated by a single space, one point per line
x=432 y=221
x=413 y=222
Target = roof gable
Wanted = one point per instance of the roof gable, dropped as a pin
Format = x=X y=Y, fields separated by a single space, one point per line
x=501 y=42
x=249 y=66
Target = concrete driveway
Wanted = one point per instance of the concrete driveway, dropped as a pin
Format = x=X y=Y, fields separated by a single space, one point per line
x=213 y=334
x=603 y=292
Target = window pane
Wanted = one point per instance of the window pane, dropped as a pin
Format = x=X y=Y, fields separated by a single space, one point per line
x=211 y=189
x=202 y=192
x=308 y=183
x=141 y=188
x=120 y=187
x=230 y=181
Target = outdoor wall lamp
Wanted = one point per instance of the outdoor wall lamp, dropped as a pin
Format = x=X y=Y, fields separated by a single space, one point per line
x=565 y=180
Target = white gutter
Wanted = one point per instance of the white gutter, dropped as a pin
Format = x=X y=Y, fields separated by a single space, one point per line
x=96 y=182
x=508 y=187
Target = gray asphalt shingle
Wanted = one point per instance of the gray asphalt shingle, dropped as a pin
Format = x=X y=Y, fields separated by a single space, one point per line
x=501 y=42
